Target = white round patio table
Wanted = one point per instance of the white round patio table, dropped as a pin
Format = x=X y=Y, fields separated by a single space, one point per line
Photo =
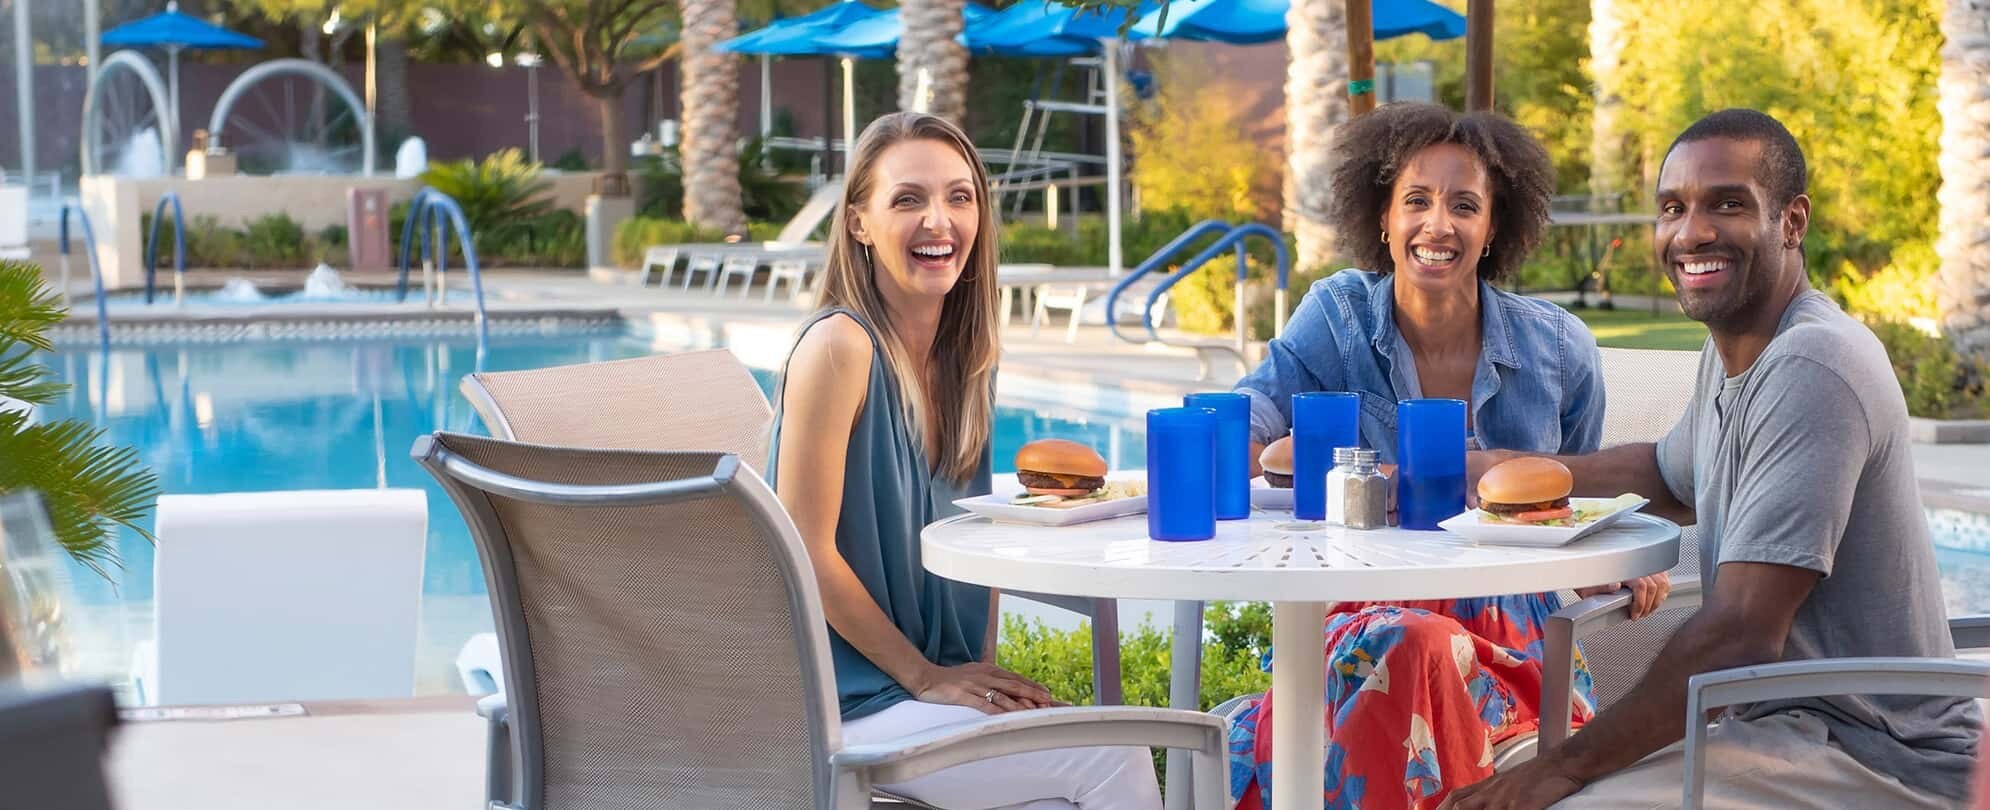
x=1300 y=568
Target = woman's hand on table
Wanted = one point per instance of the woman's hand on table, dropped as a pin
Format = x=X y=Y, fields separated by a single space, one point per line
x=983 y=686
x=1647 y=592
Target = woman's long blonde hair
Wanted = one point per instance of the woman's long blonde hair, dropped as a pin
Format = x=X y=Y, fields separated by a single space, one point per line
x=965 y=349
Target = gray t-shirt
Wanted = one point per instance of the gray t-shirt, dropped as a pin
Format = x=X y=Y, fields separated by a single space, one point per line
x=1803 y=460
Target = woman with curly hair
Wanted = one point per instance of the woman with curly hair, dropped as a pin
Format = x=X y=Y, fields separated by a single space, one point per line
x=1434 y=206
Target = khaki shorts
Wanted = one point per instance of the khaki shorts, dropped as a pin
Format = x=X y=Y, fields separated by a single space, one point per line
x=1785 y=760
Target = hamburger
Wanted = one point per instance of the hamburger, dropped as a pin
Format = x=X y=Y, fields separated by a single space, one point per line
x=1061 y=468
x=1276 y=460
x=1527 y=490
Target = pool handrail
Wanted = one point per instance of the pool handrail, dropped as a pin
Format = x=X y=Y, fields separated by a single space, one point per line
x=422 y=211
x=1233 y=238
x=1155 y=262
x=179 y=248
x=96 y=272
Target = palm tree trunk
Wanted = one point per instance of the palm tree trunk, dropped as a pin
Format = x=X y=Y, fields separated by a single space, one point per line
x=930 y=28
x=396 y=117
x=614 y=143
x=711 y=104
x=1608 y=167
x=1315 y=101
x=1964 y=244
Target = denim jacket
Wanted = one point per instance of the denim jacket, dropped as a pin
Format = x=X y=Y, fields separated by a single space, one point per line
x=1538 y=387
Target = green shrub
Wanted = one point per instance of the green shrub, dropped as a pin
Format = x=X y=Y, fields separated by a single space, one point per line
x=570 y=161
x=504 y=190
x=1061 y=660
x=1903 y=290
x=1937 y=382
x=274 y=240
x=636 y=234
x=209 y=244
x=1201 y=156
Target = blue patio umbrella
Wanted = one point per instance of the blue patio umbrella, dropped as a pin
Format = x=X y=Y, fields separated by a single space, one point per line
x=877 y=37
x=798 y=36
x=1047 y=29
x=175 y=32
x=1245 y=22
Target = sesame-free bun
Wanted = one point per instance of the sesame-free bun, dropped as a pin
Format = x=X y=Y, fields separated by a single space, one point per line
x=1059 y=467
x=1277 y=457
x=1276 y=461
x=1524 y=481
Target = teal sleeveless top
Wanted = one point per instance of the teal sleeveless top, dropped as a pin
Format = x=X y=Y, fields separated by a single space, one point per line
x=889 y=494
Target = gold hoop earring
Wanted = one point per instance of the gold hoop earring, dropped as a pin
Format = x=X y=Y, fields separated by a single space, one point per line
x=1488 y=251
x=1385 y=236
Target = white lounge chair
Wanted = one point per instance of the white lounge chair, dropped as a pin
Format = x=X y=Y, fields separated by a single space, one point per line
x=664 y=258
x=796 y=272
x=285 y=596
x=666 y=648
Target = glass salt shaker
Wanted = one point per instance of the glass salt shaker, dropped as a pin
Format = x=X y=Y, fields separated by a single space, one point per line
x=1357 y=492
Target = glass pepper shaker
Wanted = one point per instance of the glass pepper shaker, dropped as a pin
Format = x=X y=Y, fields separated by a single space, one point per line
x=1357 y=492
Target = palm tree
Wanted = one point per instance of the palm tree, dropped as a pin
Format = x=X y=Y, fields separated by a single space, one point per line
x=89 y=490
x=1964 y=244
x=928 y=42
x=710 y=90
x=1315 y=101
x=1608 y=167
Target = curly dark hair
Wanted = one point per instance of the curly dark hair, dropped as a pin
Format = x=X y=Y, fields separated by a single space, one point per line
x=1371 y=149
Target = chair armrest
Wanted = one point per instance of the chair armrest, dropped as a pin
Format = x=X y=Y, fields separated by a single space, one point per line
x=1107 y=684
x=1575 y=622
x=916 y=755
x=498 y=754
x=1941 y=677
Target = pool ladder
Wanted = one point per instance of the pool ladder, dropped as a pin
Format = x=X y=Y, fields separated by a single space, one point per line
x=96 y=272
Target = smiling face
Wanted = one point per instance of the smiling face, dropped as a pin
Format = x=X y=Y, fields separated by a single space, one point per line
x=1439 y=218
x=1722 y=240
x=920 y=219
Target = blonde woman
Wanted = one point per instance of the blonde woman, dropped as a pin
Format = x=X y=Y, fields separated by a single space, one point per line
x=883 y=419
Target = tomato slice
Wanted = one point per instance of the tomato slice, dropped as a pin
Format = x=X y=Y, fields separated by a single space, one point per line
x=1545 y=514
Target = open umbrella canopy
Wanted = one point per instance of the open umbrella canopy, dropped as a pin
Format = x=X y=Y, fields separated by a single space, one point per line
x=800 y=36
x=174 y=30
x=1048 y=29
x=1246 y=22
x=877 y=37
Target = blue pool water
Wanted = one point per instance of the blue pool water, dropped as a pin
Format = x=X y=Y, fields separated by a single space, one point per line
x=342 y=415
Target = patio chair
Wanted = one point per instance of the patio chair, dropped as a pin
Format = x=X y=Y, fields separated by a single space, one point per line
x=52 y=744
x=794 y=235
x=664 y=258
x=794 y=271
x=285 y=596
x=736 y=266
x=666 y=645
x=707 y=263
x=703 y=400
x=1787 y=680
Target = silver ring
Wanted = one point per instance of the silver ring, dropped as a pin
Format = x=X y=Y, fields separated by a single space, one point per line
x=990 y=696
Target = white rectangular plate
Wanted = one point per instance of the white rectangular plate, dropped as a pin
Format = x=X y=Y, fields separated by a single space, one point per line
x=1471 y=525
x=1266 y=496
x=998 y=507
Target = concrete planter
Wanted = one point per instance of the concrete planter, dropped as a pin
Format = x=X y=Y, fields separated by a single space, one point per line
x=1949 y=431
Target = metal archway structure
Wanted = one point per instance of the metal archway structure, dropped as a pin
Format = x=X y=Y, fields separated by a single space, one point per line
x=93 y=110
x=217 y=123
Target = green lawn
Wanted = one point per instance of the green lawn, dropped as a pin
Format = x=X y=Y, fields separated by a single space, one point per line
x=1639 y=329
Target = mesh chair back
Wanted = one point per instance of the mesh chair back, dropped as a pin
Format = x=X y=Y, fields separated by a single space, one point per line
x=1646 y=391
x=663 y=651
x=704 y=400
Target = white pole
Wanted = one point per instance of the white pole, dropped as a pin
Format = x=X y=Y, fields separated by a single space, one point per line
x=849 y=110
x=532 y=108
x=766 y=97
x=24 y=91
x=92 y=37
x=1115 y=257
x=172 y=119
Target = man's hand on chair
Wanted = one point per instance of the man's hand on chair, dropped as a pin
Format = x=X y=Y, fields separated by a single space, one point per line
x=982 y=686
x=1532 y=785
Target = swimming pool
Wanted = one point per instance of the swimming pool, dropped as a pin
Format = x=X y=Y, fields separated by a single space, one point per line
x=246 y=416
x=251 y=416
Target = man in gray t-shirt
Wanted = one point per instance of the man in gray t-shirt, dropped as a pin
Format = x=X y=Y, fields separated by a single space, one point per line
x=1794 y=460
